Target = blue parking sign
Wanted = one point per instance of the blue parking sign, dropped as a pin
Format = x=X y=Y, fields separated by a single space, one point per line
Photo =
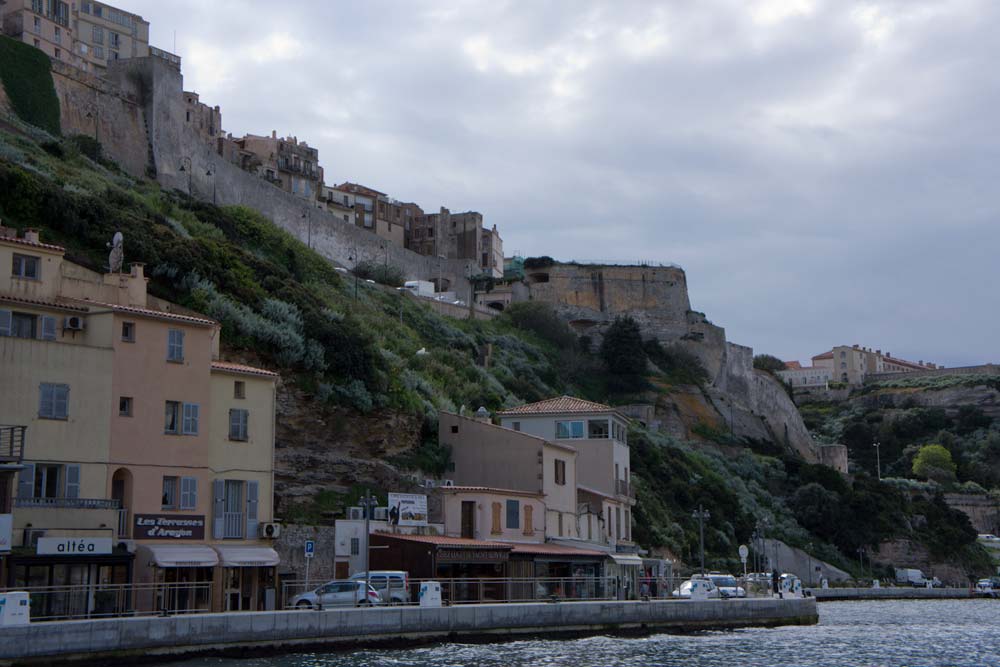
x=310 y=548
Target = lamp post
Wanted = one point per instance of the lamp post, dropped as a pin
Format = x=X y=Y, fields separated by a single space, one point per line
x=369 y=503
x=212 y=174
x=878 y=460
x=701 y=515
x=189 y=171
x=809 y=548
x=354 y=258
x=308 y=216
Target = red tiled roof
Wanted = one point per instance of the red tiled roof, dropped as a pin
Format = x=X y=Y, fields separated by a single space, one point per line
x=560 y=405
x=230 y=367
x=148 y=312
x=490 y=489
x=444 y=541
x=903 y=362
x=32 y=244
x=792 y=365
x=554 y=550
x=825 y=355
x=46 y=303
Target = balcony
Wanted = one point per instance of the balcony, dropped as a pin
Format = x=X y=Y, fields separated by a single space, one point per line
x=69 y=503
x=12 y=443
x=624 y=488
x=233 y=525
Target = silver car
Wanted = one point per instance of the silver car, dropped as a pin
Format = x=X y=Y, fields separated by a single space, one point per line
x=392 y=585
x=337 y=594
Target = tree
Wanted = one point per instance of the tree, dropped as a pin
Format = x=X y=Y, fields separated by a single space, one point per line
x=934 y=462
x=624 y=356
x=769 y=363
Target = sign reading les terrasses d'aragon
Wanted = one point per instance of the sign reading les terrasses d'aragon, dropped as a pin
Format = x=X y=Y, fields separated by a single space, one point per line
x=170 y=526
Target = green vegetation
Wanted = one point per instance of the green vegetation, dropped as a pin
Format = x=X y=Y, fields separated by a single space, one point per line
x=769 y=363
x=26 y=74
x=934 y=462
x=624 y=356
x=934 y=382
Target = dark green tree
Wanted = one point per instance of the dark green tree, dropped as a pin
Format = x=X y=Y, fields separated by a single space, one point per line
x=769 y=363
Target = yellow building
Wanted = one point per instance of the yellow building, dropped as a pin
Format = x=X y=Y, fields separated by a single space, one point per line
x=147 y=458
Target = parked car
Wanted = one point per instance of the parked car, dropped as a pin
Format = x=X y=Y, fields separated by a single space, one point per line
x=393 y=586
x=344 y=593
x=684 y=590
x=727 y=585
x=984 y=588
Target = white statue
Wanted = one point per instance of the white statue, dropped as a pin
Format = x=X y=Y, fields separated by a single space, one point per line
x=117 y=253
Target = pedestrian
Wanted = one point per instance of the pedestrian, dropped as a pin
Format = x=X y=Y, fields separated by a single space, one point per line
x=775 y=581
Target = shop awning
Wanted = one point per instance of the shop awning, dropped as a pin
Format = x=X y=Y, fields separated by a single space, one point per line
x=181 y=555
x=626 y=559
x=246 y=556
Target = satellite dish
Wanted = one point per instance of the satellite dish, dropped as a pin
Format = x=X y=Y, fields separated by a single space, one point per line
x=117 y=253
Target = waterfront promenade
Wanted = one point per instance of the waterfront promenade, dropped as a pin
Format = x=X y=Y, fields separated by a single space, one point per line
x=234 y=633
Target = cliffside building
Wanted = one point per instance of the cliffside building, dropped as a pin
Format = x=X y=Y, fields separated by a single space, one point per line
x=286 y=162
x=146 y=448
x=848 y=364
x=458 y=236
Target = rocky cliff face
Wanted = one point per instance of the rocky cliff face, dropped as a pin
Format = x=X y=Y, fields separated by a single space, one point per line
x=951 y=398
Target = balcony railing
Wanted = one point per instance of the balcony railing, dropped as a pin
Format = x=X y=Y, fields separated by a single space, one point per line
x=124 y=526
x=171 y=58
x=70 y=503
x=232 y=525
x=12 y=442
x=624 y=488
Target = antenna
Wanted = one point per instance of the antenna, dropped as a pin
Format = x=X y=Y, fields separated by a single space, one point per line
x=116 y=256
x=175 y=42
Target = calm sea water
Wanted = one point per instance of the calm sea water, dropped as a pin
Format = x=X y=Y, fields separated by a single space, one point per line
x=883 y=634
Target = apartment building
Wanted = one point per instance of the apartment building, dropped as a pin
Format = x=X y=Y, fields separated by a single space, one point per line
x=150 y=459
x=286 y=162
x=44 y=24
x=206 y=121
x=376 y=211
x=458 y=236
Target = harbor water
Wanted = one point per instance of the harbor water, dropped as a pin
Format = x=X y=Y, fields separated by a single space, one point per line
x=959 y=633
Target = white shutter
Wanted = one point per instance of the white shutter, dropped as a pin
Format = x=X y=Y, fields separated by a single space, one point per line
x=190 y=419
x=72 y=481
x=253 y=490
x=60 y=400
x=4 y=322
x=189 y=493
x=48 y=327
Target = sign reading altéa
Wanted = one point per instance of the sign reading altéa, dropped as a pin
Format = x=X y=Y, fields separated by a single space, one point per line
x=73 y=546
x=169 y=527
x=407 y=509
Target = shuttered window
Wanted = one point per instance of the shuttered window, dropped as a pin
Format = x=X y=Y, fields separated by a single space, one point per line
x=189 y=493
x=496 y=519
x=190 y=419
x=175 y=345
x=48 y=327
x=238 y=420
x=513 y=514
x=5 y=320
x=53 y=401
x=72 y=481
x=529 y=526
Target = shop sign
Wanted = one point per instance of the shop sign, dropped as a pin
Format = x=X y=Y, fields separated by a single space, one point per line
x=73 y=546
x=407 y=509
x=169 y=527
x=6 y=530
x=472 y=555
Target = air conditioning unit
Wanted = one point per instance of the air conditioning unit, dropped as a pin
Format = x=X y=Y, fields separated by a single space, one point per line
x=381 y=514
x=448 y=482
x=73 y=323
x=355 y=513
x=270 y=530
x=429 y=483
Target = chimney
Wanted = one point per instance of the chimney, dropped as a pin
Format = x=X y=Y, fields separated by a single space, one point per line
x=274 y=134
x=136 y=284
x=31 y=235
x=137 y=269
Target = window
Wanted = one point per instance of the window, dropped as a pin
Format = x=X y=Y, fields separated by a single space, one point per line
x=190 y=419
x=454 y=428
x=513 y=514
x=53 y=401
x=25 y=266
x=239 y=389
x=529 y=526
x=169 y=493
x=597 y=429
x=128 y=332
x=567 y=429
x=97 y=35
x=355 y=546
x=516 y=426
x=560 y=472
x=86 y=7
x=113 y=39
x=238 y=424
x=38 y=44
x=112 y=55
x=175 y=345
x=560 y=524
x=36 y=6
x=618 y=523
x=38 y=25
x=58 y=54
x=172 y=418
x=48 y=327
x=45 y=481
x=189 y=493
x=99 y=52
x=22 y=325
x=125 y=406
x=628 y=526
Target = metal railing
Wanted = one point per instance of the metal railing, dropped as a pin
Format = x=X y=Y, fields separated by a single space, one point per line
x=124 y=526
x=624 y=488
x=69 y=503
x=232 y=525
x=12 y=442
x=62 y=603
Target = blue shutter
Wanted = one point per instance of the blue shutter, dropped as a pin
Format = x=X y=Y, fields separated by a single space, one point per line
x=253 y=490
x=4 y=322
x=72 y=481
x=46 y=400
x=189 y=493
x=60 y=400
x=218 y=507
x=190 y=421
x=48 y=327
x=26 y=481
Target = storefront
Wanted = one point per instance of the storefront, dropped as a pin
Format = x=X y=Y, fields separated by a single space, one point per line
x=624 y=570
x=564 y=572
x=176 y=578
x=248 y=577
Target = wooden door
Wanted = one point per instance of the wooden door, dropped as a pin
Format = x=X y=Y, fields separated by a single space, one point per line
x=469 y=519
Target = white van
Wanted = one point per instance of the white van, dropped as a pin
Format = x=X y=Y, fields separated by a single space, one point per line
x=393 y=586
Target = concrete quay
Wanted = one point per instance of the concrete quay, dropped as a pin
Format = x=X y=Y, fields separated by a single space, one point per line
x=889 y=593
x=108 y=641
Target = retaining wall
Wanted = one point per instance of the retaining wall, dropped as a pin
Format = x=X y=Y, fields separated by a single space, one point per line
x=890 y=593
x=111 y=639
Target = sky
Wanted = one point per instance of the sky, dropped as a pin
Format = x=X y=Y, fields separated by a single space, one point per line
x=826 y=172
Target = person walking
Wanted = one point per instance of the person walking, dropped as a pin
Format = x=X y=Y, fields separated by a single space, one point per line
x=775 y=581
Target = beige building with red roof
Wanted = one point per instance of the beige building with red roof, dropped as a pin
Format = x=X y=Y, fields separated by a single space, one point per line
x=147 y=458
x=848 y=364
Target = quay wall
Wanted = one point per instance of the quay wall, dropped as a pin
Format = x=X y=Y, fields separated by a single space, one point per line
x=111 y=639
x=890 y=593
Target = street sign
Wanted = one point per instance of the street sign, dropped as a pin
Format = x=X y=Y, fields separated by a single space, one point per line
x=744 y=553
x=310 y=548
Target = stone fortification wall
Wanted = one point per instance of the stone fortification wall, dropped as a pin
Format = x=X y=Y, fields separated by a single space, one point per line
x=984 y=369
x=115 y=114
x=983 y=511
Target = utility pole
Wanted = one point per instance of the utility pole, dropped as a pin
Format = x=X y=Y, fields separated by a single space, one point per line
x=701 y=515
x=368 y=502
x=878 y=460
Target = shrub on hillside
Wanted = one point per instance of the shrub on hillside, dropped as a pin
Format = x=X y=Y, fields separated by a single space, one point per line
x=769 y=363
x=540 y=319
x=26 y=74
x=679 y=365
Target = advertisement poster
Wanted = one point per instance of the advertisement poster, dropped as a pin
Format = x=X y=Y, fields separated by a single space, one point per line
x=407 y=509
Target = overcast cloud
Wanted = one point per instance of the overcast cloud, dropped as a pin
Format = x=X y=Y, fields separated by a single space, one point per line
x=825 y=172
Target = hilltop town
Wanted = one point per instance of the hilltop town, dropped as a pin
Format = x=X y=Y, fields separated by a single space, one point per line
x=266 y=360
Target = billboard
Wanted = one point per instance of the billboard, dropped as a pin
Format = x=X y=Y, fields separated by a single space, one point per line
x=407 y=509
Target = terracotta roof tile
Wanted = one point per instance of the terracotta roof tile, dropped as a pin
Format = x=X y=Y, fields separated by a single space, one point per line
x=491 y=489
x=46 y=303
x=825 y=355
x=32 y=244
x=230 y=367
x=444 y=541
x=560 y=405
x=148 y=312
x=792 y=365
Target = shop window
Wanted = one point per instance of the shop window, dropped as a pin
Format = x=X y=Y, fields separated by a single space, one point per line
x=513 y=514
x=53 y=401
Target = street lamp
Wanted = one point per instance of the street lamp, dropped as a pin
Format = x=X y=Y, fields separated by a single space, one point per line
x=701 y=515
x=308 y=216
x=878 y=460
x=369 y=503
x=189 y=171
x=354 y=258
